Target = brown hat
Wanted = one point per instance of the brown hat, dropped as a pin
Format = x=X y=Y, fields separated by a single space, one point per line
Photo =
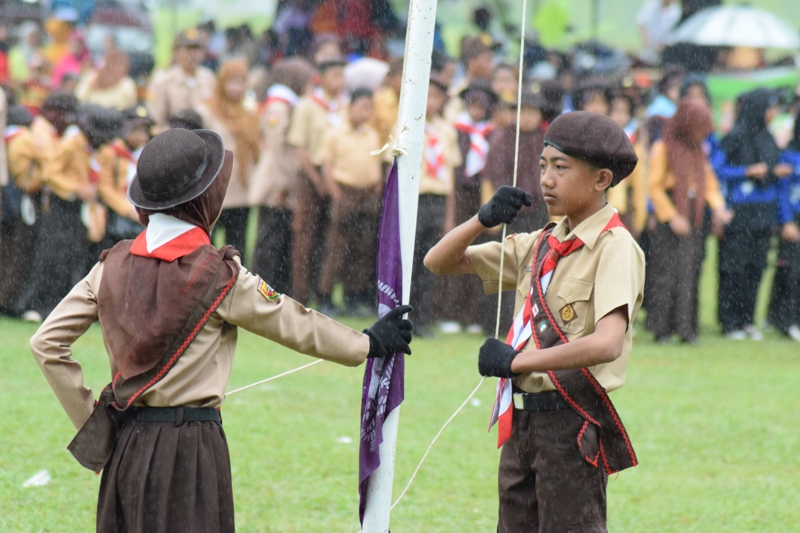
x=175 y=167
x=187 y=38
x=530 y=99
x=595 y=139
x=472 y=47
x=482 y=87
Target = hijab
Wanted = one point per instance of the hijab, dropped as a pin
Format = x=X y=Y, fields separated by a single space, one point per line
x=242 y=123
x=116 y=66
x=750 y=142
x=683 y=137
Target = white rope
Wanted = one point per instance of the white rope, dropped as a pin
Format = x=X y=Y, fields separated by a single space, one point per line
x=257 y=383
x=394 y=148
x=502 y=257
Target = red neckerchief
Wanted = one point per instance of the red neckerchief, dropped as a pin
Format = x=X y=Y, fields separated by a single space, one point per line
x=331 y=106
x=121 y=150
x=12 y=132
x=523 y=329
x=434 y=154
x=478 y=132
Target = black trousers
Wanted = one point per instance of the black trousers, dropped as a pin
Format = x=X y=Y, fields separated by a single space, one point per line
x=675 y=264
x=59 y=256
x=784 y=306
x=234 y=221
x=17 y=240
x=272 y=257
x=430 y=221
x=742 y=260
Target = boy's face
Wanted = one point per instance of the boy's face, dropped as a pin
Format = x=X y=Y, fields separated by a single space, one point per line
x=476 y=111
x=503 y=117
x=60 y=120
x=620 y=112
x=360 y=111
x=530 y=119
x=480 y=66
x=570 y=185
x=596 y=103
x=697 y=94
x=332 y=80
x=435 y=101
x=137 y=138
x=504 y=81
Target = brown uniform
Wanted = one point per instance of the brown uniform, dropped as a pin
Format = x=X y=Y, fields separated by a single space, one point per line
x=436 y=189
x=545 y=483
x=346 y=158
x=172 y=90
x=272 y=188
x=311 y=122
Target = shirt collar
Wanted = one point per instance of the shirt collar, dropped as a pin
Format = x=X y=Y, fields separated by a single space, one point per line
x=587 y=231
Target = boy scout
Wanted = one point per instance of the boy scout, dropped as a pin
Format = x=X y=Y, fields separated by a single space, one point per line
x=579 y=287
x=317 y=113
x=169 y=305
x=184 y=84
x=354 y=180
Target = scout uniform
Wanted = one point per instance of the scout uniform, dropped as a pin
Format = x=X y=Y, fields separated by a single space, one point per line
x=346 y=156
x=440 y=157
x=273 y=185
x=629 y=198
x=173 y=89
x=313 y=118
x=169 y=305
x=560 y=433
x=117 y=167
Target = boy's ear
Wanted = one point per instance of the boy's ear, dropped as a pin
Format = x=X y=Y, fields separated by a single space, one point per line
x=604 y=179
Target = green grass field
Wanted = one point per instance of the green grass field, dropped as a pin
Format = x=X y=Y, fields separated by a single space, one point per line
x=714 y=426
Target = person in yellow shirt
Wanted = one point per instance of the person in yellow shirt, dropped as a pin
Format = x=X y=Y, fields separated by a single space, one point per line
x=354 y=180
x=681 y=183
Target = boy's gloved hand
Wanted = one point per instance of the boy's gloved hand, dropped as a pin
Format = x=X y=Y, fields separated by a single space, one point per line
x=390 y=334
x=504 y=206
x=495 y=359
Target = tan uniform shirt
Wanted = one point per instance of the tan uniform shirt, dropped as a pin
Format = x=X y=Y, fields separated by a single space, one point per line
x=28 y=153
x=121 y=96
x=603 y=275
x=200 y=376
x=346 y=155
x=238 y=194
x=661 y=180
x=448 y=139
x=275 y=175
x=172 y=90
x=68 y=168
x=310 y=124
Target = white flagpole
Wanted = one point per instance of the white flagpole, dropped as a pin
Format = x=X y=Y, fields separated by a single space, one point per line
x=409 y=135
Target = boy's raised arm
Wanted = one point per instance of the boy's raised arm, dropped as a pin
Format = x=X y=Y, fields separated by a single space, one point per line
x=449 y=256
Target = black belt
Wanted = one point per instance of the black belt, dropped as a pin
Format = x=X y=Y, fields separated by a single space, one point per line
x=540 y=401
x=173 y=415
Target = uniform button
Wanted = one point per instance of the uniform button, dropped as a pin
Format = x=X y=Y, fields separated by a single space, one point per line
x=569 y=298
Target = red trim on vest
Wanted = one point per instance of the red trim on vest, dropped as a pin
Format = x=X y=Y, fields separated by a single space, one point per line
x=176 y=248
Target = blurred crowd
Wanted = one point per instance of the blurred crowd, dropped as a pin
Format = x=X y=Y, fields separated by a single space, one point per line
x=302 y=117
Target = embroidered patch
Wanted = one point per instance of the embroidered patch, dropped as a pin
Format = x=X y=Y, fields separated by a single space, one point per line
x=267 y=292
x=568 y=314
x=542 y=326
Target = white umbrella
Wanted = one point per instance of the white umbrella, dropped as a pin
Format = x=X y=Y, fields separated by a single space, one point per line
x=737 y=26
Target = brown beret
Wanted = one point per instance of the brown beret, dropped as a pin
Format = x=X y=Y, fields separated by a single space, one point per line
x=472 y=47
x=596 y=139
x=438 y=82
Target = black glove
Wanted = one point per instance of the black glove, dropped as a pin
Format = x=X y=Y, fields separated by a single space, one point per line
x=504 y=206
x=495 y=359
x=390 y=334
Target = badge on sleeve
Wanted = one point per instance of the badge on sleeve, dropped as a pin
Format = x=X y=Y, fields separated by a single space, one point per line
x=568 y=314
x=267 y=292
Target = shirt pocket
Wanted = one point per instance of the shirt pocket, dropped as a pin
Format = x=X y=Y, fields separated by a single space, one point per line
x=574 y=305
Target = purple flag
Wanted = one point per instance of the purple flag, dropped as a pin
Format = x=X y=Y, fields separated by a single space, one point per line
x=383 y=378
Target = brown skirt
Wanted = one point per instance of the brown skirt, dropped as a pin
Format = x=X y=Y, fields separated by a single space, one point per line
x=164 y=478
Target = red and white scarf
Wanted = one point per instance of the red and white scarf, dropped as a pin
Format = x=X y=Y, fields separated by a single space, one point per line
x=12 y=132
x=478 y=142
x=434 y=154
x=168 y=238
x=333 y=107
x=279 y=93
x=522 y=328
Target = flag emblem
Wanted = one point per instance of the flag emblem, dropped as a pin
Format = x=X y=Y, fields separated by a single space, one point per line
x=267 y=292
